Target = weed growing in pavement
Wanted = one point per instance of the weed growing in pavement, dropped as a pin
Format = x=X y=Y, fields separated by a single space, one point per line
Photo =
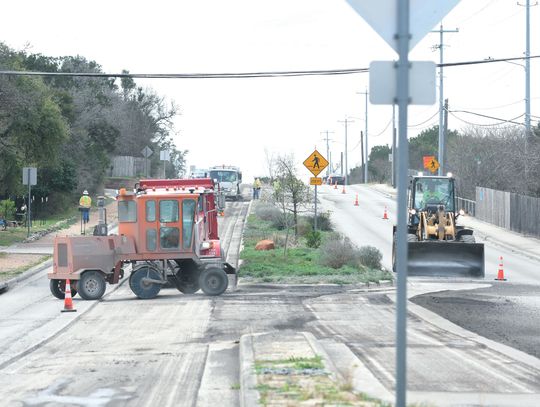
x=235 y=386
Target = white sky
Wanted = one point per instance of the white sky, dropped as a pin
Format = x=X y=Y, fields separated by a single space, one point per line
x=232 y=121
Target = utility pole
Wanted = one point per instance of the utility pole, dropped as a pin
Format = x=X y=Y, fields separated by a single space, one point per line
x=346 y=122
x=362 y=153
x=329 y=168
x=394 y=145
x=527 y=6
x=445 y=124
x=441 y=96
x=366 y=93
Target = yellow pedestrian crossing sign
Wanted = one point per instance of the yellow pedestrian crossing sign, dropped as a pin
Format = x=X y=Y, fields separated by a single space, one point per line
x=315 y=163
x=431 y=163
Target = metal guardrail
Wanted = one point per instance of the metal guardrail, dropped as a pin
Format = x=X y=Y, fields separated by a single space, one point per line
x=468 y=205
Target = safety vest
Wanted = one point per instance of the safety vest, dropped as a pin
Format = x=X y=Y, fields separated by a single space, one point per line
x=85 y=201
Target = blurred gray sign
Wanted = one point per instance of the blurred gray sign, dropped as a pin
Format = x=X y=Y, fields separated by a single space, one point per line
x=29 y=173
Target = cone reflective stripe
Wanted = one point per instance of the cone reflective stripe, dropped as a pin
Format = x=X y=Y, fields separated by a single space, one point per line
x=385 y=216
x=500 y=273
x=356 y=200
x=68 y=302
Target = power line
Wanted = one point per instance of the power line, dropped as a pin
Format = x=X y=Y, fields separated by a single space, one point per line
x=486 y=116
x=425 y=121
x=237 y=75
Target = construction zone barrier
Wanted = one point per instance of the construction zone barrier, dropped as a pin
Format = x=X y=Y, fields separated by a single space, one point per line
x=68 y=301
x=500 y=273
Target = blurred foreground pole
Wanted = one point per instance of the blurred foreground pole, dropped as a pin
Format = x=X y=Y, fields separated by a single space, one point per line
x=402 y=176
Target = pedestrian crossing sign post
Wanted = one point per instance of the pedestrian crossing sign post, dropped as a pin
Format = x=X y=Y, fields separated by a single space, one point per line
x=431 y=163
x=315 y=163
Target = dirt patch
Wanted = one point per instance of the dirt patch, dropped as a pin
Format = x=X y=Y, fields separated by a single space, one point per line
x=12 y=265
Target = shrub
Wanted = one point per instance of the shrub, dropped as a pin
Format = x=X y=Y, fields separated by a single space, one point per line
x=313 y=239
x=266 y=211
x=323 y=222
x=7 y=209
x=304 y=226
x=337 y=251
x=370 y=256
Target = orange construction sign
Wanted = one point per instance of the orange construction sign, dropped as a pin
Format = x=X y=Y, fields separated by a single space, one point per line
x=315 y=181
x=431 y=163
x=315 y=163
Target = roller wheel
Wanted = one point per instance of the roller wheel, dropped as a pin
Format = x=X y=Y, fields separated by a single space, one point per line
x=467 y=239
x=213 y=281
x=142 y=289
x=91 y=285
x=58 y=288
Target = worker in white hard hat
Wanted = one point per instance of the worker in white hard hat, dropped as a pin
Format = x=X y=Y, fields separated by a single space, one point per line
x=85 y=203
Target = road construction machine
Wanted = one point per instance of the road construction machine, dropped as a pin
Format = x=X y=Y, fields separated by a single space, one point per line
x=167 y=233
x=436 y=245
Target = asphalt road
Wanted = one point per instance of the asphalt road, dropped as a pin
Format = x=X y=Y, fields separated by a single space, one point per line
x=183 y=349
x=506 y=313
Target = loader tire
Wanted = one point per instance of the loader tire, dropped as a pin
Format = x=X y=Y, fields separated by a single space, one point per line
x=213 y=281
x=411 y=237
x=188 y=282
x=467 y=239
x=91 y=285
x=58 y=288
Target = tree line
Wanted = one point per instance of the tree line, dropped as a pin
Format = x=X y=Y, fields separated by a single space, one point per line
x=499 y=158
x=70 y=127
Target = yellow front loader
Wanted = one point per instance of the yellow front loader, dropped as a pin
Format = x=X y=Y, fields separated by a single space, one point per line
x=436 y=245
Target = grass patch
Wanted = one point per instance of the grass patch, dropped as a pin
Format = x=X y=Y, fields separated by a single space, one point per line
x=300 y=264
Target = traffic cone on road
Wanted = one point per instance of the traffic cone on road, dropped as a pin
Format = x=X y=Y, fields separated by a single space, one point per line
x=335 y=185
x=68 y=302
x=343 y=190
x=500 y=274
x=385 y=216
x=356 y=200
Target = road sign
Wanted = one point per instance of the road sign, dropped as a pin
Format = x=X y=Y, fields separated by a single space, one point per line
x=431 y=163
x=382 y=16
x=29 y=173
x=164 y=155
x=315 y=163
x=315 y=181
x=146 y=152
x=383 y=82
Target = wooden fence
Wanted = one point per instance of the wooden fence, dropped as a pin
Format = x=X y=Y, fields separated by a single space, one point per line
x=516 y=212
x=126 y=166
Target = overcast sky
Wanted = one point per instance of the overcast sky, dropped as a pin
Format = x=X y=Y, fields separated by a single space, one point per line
x=233 y=121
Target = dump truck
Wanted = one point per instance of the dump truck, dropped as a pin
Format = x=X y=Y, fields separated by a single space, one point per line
x=228 y=179
x=436 y=245
x=167 y=232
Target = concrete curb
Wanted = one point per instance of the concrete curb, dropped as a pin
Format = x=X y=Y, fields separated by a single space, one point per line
x=249 y=396
x=6 y=285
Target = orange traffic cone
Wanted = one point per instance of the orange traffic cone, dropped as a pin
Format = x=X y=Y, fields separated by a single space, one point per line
x=343 y=191
x=335 y=185
x=356 y=200
x=385 y=216
x=500 y=274
x=68 y=302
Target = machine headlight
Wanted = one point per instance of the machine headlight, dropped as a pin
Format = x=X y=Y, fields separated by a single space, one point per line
x=461 y=212
x=412 y=211
x=206 y=245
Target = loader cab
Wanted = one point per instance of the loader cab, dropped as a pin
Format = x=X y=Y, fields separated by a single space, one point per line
x=428 y=193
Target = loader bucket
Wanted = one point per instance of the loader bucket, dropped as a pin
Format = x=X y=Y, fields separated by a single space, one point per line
x=446 y=259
